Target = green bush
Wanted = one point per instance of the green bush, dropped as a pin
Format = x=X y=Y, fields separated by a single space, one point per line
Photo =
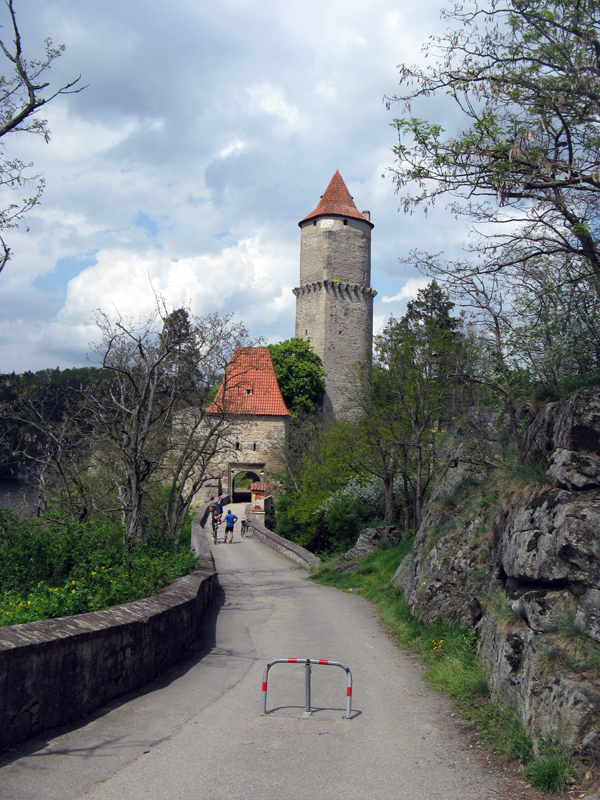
x=51 y=570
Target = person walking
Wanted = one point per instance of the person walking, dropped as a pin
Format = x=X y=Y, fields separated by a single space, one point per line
x=230 y=520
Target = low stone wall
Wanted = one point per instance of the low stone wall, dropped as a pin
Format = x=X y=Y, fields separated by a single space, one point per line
x=57 y=671
x=294 y=552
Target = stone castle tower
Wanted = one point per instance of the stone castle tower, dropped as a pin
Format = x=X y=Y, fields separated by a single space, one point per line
x=334 y=303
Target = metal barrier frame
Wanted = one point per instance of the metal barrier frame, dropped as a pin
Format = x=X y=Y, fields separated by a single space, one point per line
x=308 y=663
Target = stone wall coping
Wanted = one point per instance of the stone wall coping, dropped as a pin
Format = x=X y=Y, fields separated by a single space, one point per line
x=288 y=549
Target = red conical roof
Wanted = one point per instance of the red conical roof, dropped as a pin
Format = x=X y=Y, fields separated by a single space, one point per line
x=336 y=200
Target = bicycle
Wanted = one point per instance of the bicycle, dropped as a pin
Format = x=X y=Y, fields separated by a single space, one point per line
x=247 y=530
x=215 y=527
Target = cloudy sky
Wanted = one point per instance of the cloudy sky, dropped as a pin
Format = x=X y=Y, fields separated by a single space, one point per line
x=206 y=132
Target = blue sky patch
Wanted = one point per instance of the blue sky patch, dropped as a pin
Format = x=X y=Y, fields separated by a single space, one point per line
x=67 y=267
x=146 y=222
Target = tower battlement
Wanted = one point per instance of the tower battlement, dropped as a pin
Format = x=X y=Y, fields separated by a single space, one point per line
x=334 y=303
x=337 y=289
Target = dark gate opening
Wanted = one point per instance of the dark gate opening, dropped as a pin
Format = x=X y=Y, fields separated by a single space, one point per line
x=241 y=486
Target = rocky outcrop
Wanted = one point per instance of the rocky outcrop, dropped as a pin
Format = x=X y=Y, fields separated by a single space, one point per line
x=534 y=547
x=365 y=544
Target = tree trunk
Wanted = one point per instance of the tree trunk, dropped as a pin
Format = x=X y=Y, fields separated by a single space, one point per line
x=388 y=484
x=418 y=488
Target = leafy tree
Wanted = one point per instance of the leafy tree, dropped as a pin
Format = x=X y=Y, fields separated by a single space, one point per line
x=300 y=375
x=23 y=92
x=418 y=369
x=526 y=77
x=326 y=468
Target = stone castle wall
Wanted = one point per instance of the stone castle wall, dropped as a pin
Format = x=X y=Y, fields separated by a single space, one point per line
x=255 y=441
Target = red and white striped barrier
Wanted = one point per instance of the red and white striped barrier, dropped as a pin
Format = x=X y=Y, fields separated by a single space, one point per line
x=308 y=664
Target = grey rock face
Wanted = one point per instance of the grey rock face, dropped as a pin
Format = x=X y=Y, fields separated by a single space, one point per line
x=444 y=580
x=577 y=425
x=574 y=471
x=572 y=425
x=538 y=439
x=540 y=608
x=541 y=551
x=588 y=613
x=556 y=541
x=555 y=703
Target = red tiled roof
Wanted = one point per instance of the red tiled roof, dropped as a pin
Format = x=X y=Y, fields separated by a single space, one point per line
x=250 y=386
x=258 y=487
x=336 y=200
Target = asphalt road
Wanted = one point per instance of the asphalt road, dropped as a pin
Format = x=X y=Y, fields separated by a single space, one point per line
x=197 y=732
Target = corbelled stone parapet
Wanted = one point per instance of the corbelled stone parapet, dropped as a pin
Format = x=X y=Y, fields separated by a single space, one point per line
x=336 y=288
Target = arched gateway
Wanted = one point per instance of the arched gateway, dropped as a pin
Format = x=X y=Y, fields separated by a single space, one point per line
x=257 y=417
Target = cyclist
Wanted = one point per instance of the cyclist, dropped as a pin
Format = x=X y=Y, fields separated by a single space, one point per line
x=216 y=509
x=230 y=520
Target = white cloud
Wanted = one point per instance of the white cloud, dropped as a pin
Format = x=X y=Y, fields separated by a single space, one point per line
x=408 y=291
x=271 y=100
x=232 y=149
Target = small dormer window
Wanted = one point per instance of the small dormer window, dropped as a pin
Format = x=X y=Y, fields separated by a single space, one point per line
x=248 y=391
